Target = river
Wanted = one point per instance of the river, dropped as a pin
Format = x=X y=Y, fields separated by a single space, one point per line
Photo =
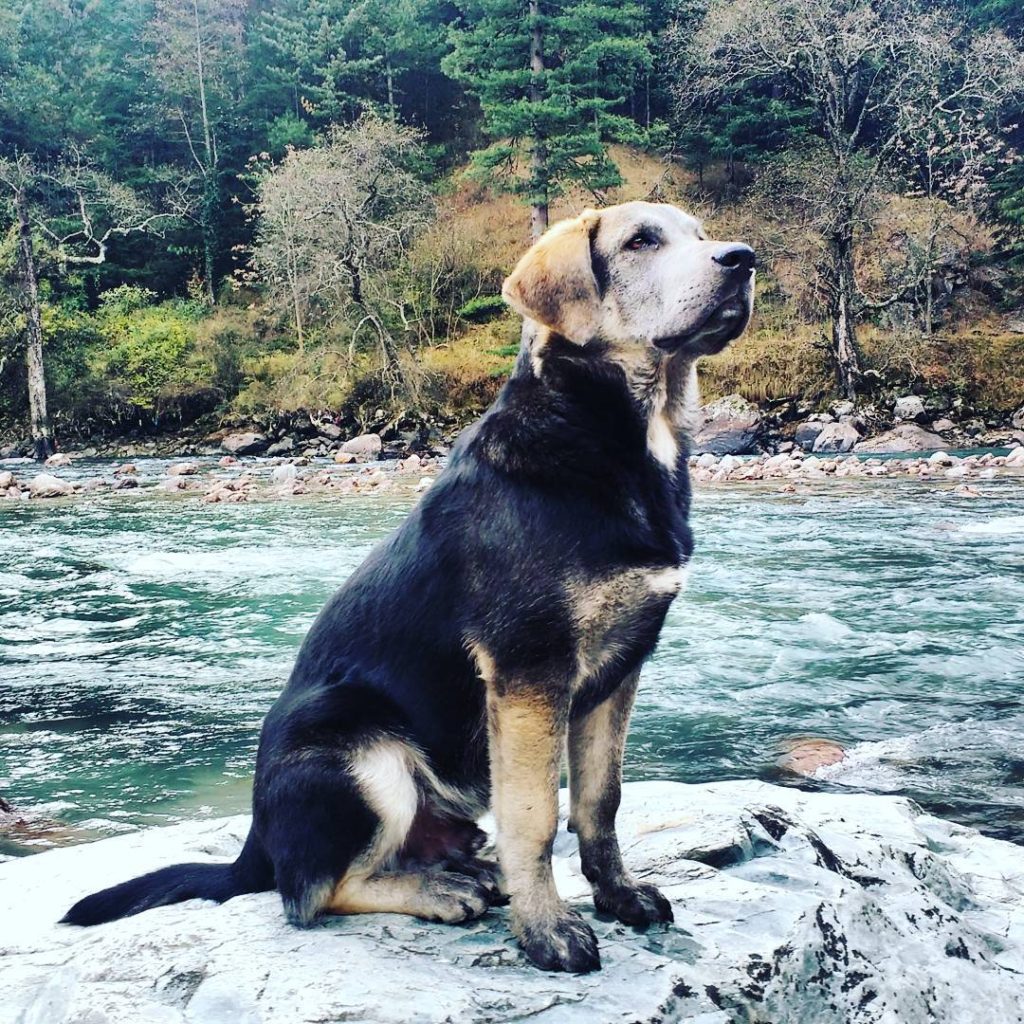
x=142 y=637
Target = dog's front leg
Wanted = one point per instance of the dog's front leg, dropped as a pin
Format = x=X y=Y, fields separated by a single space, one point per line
x=527 y=734
x=596 y=743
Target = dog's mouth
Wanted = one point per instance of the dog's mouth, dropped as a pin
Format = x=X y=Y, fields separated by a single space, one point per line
x=723 y=324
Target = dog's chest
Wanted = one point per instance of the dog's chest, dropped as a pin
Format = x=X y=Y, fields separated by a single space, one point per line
x=616 y=611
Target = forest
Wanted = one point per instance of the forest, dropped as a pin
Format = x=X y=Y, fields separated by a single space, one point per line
x=228 y=211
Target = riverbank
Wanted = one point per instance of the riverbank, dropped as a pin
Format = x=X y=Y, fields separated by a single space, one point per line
x=366 y=469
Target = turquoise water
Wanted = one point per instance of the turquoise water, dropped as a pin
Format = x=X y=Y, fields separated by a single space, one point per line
x=143 y=636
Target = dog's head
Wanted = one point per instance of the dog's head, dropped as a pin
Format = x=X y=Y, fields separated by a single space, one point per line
x=636 y=273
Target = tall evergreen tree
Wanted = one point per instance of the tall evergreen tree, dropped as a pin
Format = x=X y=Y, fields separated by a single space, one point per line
x=552 y=79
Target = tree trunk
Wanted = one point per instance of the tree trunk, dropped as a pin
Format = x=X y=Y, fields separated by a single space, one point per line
x=392 y=116
x=539 y=151
x=844 y=336
x=209 y=171
x=39 y=420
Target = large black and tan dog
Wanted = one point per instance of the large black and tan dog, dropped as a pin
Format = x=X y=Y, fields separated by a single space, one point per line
x=508 y=616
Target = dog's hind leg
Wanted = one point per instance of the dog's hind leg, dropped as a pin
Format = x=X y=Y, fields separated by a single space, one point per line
x=596 y=743
x=338 y=848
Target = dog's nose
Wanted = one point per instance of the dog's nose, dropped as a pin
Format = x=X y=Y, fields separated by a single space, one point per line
x=735 y=257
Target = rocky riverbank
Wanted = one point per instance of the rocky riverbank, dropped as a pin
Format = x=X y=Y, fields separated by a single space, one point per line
x=367 y=471
x=808 y=908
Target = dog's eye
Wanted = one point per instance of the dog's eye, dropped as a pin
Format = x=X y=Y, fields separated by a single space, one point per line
x=641 y=240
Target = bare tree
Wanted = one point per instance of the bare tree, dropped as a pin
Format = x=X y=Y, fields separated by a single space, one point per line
x=333 y=221
x=880 y=75
x=77 y=209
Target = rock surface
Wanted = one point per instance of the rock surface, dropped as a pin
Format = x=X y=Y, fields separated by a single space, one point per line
x=368 y=445
x=907 y=437
x=803 y=908
x=836 y=437
x=728 y=426
x=46 y=485
x=245 y=443
x=909 y=407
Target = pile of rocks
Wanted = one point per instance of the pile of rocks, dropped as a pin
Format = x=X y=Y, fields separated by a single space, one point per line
x=795 y=465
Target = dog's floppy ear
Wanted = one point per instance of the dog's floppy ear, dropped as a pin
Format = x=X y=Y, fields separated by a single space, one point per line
x=554 y=282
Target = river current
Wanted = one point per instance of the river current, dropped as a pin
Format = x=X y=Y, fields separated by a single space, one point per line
x=142 y=637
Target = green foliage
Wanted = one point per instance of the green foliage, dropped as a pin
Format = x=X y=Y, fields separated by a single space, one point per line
x=481 y=308
x=145 y=348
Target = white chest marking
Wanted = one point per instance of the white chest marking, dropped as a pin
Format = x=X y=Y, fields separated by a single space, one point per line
x=668 y=581
x=661 y=440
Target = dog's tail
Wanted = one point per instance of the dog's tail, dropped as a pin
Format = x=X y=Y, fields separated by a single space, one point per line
x=252 y=872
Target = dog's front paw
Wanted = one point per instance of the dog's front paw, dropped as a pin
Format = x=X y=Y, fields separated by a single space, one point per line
x=566 y=944
x=636 y=905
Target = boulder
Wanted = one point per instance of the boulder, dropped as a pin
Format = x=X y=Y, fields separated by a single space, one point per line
x=45 y=485
x=58 y=459
x=942 y=425
x=6 y=480
x=807 y=433
x=792 y=907
x=127 y=469
x=282 y=447
x=244 y=443
x=1017 y=419
x=909 y=407
x=836 y=437
x=1016 y=458
x=283 y=474
x=329 y=430
x=126 y=483
x=183 y=469
x=906 y=437
x=365 y=445
x=728 y=426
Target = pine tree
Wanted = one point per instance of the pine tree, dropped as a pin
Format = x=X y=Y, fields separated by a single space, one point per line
x=552 y=79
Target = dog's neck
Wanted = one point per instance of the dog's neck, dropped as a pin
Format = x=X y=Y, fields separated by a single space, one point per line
x=663 y=385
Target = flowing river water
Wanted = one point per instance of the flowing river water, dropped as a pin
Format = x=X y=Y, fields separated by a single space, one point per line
x=142 y=637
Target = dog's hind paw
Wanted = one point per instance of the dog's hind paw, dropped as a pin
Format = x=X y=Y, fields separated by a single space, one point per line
x=635 y=905
x=454 y=898
x=567 y=944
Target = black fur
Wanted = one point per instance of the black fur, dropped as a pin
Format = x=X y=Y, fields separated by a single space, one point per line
x=554 y=482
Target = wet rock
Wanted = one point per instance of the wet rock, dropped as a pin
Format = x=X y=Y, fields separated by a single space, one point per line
x=806 y=756
x=283 y=474
x=282 y=447
x=909 y=407
x=790 y=907
x=173 y=483
x=365 y=446
x=58 y=459
x=906 y=437
x=941 y=458
x=728 y=426
x=836 y=437
x=126 y=483
x=183 y=469
x=45 y=485
x=227 y=460
x=244 y=443
x=807 y=433
x=126 y=469
x=344 y=458
x=6 y=479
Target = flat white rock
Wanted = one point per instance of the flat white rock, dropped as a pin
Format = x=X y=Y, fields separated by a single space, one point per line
x=791 y=908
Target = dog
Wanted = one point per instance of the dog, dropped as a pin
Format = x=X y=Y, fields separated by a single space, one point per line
x=505 y=620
